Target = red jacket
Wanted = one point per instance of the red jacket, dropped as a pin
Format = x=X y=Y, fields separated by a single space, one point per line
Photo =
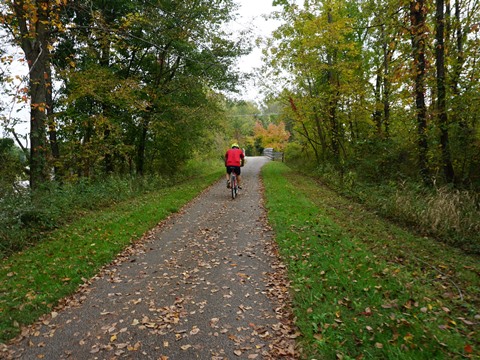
x=234 y=157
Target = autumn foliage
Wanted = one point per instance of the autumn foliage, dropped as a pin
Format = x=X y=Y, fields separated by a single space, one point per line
x=271 y=136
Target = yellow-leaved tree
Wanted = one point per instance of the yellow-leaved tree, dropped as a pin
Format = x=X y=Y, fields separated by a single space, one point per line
x=273 y=136
x=32 y=25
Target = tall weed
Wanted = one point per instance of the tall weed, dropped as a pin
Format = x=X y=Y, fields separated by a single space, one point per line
x=451 y=215
x=452 y=211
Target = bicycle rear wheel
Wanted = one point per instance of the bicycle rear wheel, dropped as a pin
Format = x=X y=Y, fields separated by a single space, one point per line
x=233 y=185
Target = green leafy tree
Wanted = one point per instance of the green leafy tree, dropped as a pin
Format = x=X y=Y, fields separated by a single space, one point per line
x=386 y=86
x=418 y=30
x=140 y=82
x=321 y=50
x=240 y=121
x=441 y=90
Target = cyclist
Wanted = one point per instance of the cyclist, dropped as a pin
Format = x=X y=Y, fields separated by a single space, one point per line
x=234 y=159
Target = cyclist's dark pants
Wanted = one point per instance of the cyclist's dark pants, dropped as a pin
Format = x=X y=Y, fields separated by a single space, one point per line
x=231 y=168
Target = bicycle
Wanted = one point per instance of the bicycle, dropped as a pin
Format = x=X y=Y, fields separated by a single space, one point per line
x=233 y=184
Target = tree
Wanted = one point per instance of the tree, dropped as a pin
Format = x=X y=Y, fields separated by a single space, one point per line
x=32 y=23
x=137 y=82
x=131 y=71
x=441 y=91
x=273 y=136
x=319 y=46
x=418 y=30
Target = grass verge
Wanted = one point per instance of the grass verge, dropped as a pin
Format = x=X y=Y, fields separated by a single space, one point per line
x=34 y=280
x=364 y=288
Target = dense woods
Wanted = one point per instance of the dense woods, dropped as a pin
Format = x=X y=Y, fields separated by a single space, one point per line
x=385 y=88
x=127 y=86
x=124 y=87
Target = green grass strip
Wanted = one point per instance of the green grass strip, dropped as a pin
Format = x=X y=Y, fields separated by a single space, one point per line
x=364 y=288
x=33 y=281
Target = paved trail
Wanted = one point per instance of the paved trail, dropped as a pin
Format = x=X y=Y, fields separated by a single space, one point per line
x=205 y=285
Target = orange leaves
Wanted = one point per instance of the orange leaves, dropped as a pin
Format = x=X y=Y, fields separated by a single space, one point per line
x=35 y=19
x=468 y=349
x=39 y=106
x=274 y=136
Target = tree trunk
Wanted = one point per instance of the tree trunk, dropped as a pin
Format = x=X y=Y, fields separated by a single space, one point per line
x=387 y=55
x=377 y=113
x=34 y=43
x=141 y=148
x=332 y=102
x=320 y=132
x=417 y=18
x=108 y=157
x=441 y=92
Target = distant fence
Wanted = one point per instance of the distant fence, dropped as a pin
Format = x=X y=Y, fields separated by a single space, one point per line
x=273 y=155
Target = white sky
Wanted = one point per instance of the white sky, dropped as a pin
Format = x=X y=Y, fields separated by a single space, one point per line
x=251 y=17
x=12 y=109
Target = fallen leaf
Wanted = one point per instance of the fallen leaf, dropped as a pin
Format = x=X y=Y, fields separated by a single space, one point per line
x=467 y=322
x=134 y=347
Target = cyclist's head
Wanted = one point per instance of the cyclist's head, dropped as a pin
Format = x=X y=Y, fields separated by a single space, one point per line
x=235 y=145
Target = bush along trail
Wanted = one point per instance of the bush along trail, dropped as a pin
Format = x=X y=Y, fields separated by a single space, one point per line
x=364 y=288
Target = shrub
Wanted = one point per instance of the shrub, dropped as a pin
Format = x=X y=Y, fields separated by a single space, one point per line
x=26 y=217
